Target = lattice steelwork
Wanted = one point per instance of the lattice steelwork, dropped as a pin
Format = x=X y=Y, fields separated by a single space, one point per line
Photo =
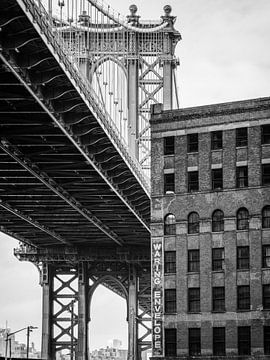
x=129 y=63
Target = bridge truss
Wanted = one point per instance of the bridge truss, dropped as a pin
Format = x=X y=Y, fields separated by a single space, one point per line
x=72 y=149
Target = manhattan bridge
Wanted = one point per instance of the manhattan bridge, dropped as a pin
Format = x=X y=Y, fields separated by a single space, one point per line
x=76 y=84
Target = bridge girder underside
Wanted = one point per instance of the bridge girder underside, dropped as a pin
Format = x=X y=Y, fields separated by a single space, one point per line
x=63 y=182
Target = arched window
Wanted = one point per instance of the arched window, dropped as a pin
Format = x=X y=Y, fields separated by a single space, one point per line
x=217 y=221
x=193 y=223
x=169 y=224
x=266 y=217
x=242 y=218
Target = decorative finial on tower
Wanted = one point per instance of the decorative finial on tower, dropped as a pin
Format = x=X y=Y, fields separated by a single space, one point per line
x=167 y=15
x=133 y=18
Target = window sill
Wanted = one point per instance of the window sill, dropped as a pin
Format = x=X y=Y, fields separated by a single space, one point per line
x=266 y=268
x=241 y=147
x=194 y=312
x=193 y=272
x=243 y=310
x=218 y=311
x=218 y=271
x=243 y=270
x=242 y=230
x=172 y=313
x=168 y=274
x=192 y=152
x=218 y=232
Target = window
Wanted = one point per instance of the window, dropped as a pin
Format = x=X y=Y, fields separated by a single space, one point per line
x=216 y=140
x=242 y=257
x=242 y=219
x=266 y=217
x=169 y=183
x=194 y=341
x=266 y=174
x=170 y=262
x=217 y=221
x=170 y=342
x=265 y=130
x=217 y=179
x=192 y=143
x=266 y=339
x=243 y=297
x=241 y=137
x=217 y=259
x=266 y=296
x=193 y=181
x=194 y=299
x=219 y=341
x=193 y=223
x=243 y=340
x=218 y=298
x=169 y=145
x=169 y=224
x=170 y=301
x=194 y=260
x=241 y=176
x=266 y=256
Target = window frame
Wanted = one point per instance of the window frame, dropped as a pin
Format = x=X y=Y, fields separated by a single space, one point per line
x=218 y=259
x=169 y=344
x=169 y=183
x=241 y=178
x=242 y=262
x=219 y=341
x=266 y=217
x=266 y=297
x=216 y=140
x=217 y=179
x=194 y=262
x=265 y=256
x=218 y=299
x=244 y=340
x=266 y=340
x=169 y=263
x=168 y=149
x=194 y=300
x=242 y=223
x=194 y=341
x=218 y=225
x=193 y=226
x=243 y=298
x=170 y=226
x=170 y=301
x=193 y=181
x=265 y=134
x=265 y=175
x=192 y=145
x=241 y=140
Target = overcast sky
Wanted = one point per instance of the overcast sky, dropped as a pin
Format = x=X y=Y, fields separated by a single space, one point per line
x=225 y=56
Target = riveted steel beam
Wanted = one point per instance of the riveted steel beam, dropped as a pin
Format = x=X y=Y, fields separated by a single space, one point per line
x=58 y=190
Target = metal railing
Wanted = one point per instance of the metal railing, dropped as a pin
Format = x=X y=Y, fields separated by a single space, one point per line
x=45 y=23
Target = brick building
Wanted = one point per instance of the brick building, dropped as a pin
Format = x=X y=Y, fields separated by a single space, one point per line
x=211 y=229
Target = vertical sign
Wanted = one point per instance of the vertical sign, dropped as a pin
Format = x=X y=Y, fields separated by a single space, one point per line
x=157 y=296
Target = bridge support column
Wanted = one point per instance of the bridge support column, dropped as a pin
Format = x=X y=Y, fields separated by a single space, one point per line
x=47 y=288
x=132 y=314
x=133 y=125
x=83 y=311
x=167 y=84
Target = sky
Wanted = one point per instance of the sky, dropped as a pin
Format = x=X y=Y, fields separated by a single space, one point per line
x=224 y=56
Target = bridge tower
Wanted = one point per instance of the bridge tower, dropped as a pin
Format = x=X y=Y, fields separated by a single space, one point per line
x=130 y=64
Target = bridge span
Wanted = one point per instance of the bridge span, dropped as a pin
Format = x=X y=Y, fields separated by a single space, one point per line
x=71 y=190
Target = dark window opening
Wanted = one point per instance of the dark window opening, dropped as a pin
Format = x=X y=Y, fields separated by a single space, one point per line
x=193 y=181
x=243 y=297
x=266 y=256
x=193 y=260
x=266 y=296
x=266 y=217
x=243 y=340
x=170 y=262
x=218 y=298
x=170 y=301
x=265 y=131
x=242 y=219
x=217 y=179
x=241 y=176
x=192 y=143
x=242 y=257
x=169 y=145
x=169 y=225
x=169 y=183
x=194 y=299
x=216 y=140
x=194 y=341
x=266 y=340
x=217 y=221
x=170 y=342
x=217 y=259
x=193 y=223
x=241 y=137
x=266 y=174
x=219 y=341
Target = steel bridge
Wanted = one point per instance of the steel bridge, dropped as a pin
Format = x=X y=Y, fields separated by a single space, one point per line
x=76 y=85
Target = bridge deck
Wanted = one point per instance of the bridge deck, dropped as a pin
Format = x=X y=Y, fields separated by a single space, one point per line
x=63 y=178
